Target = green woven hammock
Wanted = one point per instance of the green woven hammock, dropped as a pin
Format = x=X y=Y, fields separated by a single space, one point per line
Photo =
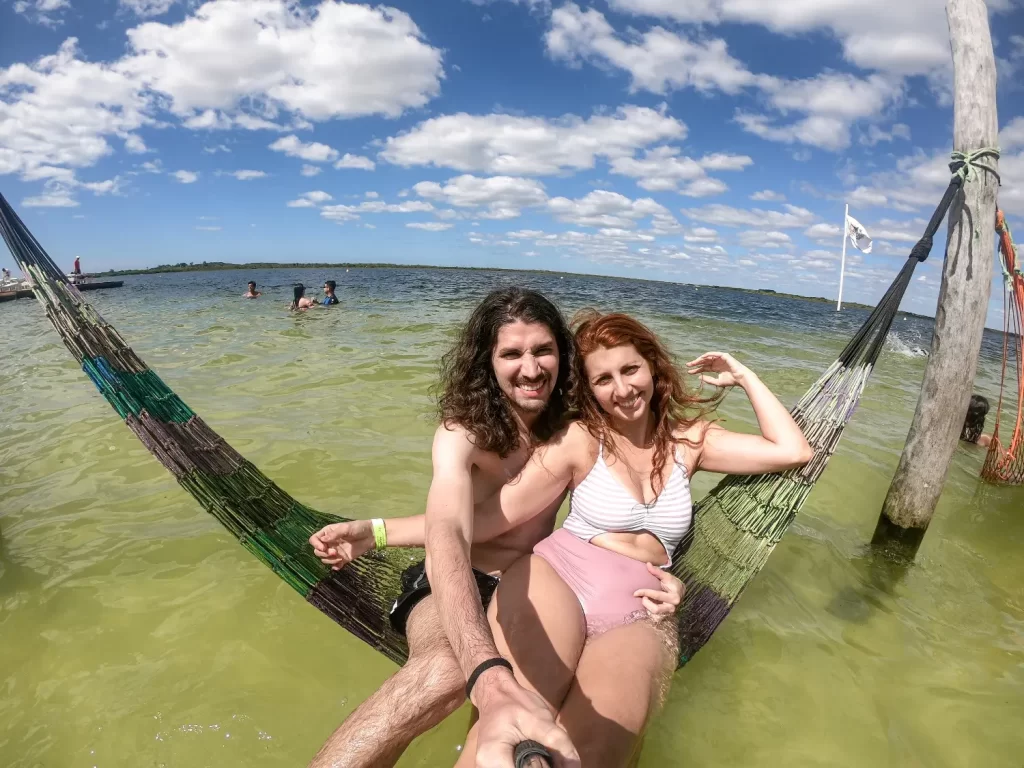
x=737 y=525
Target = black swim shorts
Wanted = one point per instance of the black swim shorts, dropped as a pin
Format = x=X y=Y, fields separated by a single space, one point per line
x=415 y=587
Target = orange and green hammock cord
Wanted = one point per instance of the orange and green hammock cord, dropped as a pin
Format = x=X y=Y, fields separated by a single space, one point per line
x=1004 y=462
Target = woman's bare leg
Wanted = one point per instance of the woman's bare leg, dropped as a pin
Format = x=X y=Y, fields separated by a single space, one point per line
x=538 y=625
x=620 y=679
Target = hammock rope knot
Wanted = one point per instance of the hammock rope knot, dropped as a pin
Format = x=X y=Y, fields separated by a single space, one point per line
x=922 y=248
x=965 y=165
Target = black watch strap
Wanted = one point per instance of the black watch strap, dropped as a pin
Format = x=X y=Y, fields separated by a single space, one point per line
x=497 y=661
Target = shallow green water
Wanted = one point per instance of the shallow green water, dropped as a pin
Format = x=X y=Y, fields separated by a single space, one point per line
x=134 y=632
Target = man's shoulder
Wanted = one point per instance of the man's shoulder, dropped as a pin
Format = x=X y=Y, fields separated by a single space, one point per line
x=451 y=434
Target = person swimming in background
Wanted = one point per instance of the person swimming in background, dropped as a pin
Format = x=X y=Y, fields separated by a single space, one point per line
x=329 y=297
x=300 y=300
x=974 y=424
x=251 y=292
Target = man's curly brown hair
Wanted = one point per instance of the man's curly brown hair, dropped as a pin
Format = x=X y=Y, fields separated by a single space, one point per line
x=469 y=393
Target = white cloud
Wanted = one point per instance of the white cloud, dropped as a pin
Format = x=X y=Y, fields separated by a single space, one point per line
x=371 y=195
x=135 y=145
x=262 y=57
x=706 y=187
x=663 y=169
x=863 y=197
x=768 y=196
x=613 y=245
x=107 y=187
x=727 y=216
x=60 y=111
x=531 y=4
x=186 y=177
x=44 y=172
x=342 y=213
x=832 y=103
x=823 y=234
x=379 y=206
x=503 y=196
x=905 y=37
x=58 y=198
x=657 y=60
x=310 y=170
x=248 y=175
x=355 y=161
x=429 y=226
x=701 y=235
x=314 y=152
x=721 y=161
x=875 y=134
x=519 y=146
x=147 y=8
x=43 y=12
x=310 y=199
x=602 y=208
x=209 y=229
x=212 y=120
x=763 y=239
x=1012 y=136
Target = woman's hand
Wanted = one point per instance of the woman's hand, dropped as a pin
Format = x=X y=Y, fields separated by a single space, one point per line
x=663 y=602
x=339 y=544
x=731 y=372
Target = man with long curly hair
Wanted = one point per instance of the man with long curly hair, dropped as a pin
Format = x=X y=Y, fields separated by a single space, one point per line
x=504 y=389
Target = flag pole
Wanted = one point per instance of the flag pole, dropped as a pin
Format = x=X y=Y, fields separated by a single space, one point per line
x=842 y=266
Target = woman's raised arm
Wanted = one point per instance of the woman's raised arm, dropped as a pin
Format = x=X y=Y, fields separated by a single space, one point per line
x=781 y=444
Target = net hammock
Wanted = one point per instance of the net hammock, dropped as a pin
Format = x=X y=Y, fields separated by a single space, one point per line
x=1004 y=462
x=736 y=526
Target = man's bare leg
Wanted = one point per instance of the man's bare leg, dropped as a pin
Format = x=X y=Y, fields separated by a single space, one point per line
x=412 y=701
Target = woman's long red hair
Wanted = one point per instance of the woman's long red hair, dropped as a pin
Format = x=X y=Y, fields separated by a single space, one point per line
x=673 y=407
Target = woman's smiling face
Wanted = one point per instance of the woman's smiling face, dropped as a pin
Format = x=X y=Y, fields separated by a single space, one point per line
x=621 y=381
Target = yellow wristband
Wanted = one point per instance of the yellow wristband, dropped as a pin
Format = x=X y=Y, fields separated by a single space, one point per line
x=380 y=533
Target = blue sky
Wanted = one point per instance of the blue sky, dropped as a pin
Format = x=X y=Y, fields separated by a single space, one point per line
x=705 y=141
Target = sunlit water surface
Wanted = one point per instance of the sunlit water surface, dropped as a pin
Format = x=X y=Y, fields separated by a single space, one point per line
x=135 y=632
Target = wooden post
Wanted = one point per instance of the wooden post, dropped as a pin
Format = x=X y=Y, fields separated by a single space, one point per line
x=963 y=297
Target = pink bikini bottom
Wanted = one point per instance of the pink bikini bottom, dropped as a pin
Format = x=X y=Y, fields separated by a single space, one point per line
x=603 y=581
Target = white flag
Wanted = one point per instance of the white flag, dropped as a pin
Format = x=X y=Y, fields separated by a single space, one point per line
x=859 y=237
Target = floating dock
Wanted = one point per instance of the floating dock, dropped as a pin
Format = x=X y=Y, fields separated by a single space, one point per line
x=26 y=293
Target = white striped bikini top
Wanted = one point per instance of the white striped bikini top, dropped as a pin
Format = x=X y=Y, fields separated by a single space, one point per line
x=601 y=504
